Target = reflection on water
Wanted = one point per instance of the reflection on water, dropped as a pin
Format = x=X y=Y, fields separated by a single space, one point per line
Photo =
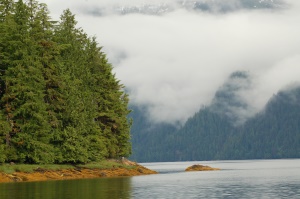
x=106 y=188
x=237 y=179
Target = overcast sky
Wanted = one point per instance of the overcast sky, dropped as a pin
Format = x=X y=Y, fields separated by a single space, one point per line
x=174 y=62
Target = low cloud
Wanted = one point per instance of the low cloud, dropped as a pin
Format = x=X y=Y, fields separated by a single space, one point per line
x=160 y=7
x=175 y=62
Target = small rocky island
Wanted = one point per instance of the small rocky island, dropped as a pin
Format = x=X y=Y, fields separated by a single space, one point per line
x=199 y=167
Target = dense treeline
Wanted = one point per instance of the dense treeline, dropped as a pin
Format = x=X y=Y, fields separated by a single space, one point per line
x=215 y=133
x=59 y=101
x=273 y=133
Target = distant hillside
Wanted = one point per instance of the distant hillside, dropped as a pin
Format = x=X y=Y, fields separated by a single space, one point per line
x=273 y=133
x=216 y=131
x=146 y=136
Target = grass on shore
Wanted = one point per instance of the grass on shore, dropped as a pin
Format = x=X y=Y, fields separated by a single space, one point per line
x=105 y=164
x=30 y=168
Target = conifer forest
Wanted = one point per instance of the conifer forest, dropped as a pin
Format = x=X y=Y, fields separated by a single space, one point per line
x=59 y=100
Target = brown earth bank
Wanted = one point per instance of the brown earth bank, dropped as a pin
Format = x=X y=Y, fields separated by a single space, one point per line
x=199 y=167
x=76 y=173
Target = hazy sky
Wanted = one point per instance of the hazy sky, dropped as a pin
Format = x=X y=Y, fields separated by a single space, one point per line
x=174 y=62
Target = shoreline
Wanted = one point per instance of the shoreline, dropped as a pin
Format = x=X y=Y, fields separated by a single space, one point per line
x=40 y=174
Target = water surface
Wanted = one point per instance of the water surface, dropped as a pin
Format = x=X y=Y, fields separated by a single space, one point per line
x=237 y=179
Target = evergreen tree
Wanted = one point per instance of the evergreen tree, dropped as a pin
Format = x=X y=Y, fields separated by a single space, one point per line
x=111 y=103
x=59 y=100
x=72 y=141
x=100 y=102
x=24 y=96
x=6 y=22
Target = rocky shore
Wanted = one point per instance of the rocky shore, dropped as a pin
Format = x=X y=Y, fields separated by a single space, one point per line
x=76 y=173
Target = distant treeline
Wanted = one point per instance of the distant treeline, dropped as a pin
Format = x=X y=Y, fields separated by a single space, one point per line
x=212 y=133
x=59 y=101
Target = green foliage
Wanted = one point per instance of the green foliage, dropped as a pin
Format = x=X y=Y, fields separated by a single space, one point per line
x=2 y=153
x=105 y=164
x=60 y=102
x=29 y=168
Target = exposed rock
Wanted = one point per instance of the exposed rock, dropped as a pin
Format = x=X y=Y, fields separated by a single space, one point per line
x=199 y=167
x=66 y=174
x=40 y=170
x=128 y=162
x=140 y=170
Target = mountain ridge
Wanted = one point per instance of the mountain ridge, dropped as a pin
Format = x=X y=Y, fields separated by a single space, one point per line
x=212 y=134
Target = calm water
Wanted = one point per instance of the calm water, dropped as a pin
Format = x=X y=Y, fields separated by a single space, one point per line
x=237 y=179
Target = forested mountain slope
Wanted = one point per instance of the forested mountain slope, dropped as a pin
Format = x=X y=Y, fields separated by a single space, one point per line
x=149 y=138
x=273 y=133
x=216 y=131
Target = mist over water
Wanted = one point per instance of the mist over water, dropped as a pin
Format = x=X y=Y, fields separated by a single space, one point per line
x=173 y=56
